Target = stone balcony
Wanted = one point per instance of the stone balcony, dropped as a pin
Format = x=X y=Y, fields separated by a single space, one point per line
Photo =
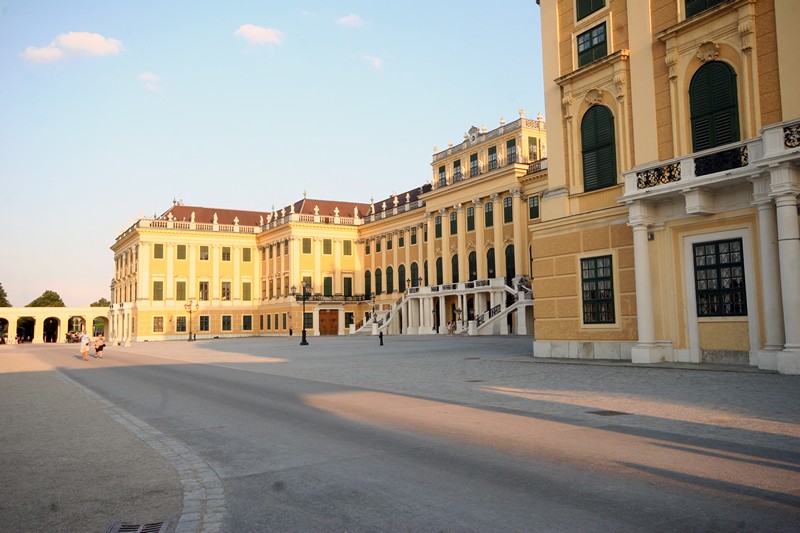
x=696 y=174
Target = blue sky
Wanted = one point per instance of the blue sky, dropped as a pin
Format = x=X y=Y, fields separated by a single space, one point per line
x=110 y=109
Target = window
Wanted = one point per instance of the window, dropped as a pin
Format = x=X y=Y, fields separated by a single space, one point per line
x=413 y=236
x=713 y=106
x=226 y=253
x=226 y=322
x=226 y=290
x=472 y=260
x=415 y=275
x=158 y=291
x=158 y=324
x=598 y=149
x=180 y=290
x=508 y=210
x=457 y=170
x=511 y=151
x=264 y=254
x=470 y=219
x=389 y=242
x=425 y=272
x=425 y=233
x=347 y=247
x=453 y=223
x=511 y=269
x=278 y=249
x=261 y=322
x=439 y=273
x=349 y=318
x=285 y=247
x=533 y=206
x=180 y=252
x=271 y=251
x=592 y=45
x=203 y=290
x=488 y=215
x=389 y=280
x=587 y=7
x=437 y=226
x=269 y=322
x=308 y=320
x=276 y=321
x=490 y=270
x=378 y=281
x=271 y=289
x=401 y=278
x=327 y=246
x=533 y=152
x=473 y=165
x=247 y=291
x=158 y=251
x=368 y=284
x=442 y=176
x=246 y=255
x=247 y=323
x=306 y=245
x=693 y=7
x=284 y=320
x=367 y=248
x=492 y=157
x=348 y=287
x=598 y=290
x=205 y=324
x=401 y=240
x=719 y=278
x=180 y=324
x=327 y=286
x=378 y=242
x=204 y=253
x=454 y=267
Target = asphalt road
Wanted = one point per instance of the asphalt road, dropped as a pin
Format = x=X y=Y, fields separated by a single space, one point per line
x=460 y=434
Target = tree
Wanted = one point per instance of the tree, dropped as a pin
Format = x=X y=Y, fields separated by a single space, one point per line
x=47 y=299
x=4 y=298
x=102 y=302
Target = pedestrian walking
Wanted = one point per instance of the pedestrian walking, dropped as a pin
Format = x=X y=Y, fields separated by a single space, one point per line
x=84 y=345
x=99 y=344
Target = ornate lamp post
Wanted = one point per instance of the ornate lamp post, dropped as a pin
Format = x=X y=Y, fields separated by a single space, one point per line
x=458 y=316
x=306 y=291
x=191 y=306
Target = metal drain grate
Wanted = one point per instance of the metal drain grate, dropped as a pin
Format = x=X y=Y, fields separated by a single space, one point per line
x=606 y=413
x=154 y=527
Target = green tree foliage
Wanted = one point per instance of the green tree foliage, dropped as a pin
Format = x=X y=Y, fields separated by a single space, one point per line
x=102 y=302
x=4 y=297
x=47 y=299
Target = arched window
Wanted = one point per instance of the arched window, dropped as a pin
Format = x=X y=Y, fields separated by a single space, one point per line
x=511 y=270
x=490 y=263
x=401 y=278
x=598 y=149
x=714 y=106
x=368 y=284
x=472 y=259
x=439 y=275
x=415 y=275
x=389 y=280
x=378 y=281
x=454 y=267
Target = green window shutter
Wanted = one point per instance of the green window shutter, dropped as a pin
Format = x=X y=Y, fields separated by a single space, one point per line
x=598 y=149
x=328 y=286
x=587 y=7
x=713 y=104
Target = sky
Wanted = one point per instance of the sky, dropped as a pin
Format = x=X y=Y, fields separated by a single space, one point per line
x=112 y=109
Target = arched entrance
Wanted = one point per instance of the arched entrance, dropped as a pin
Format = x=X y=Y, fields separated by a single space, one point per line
x=51 y=328
x=3 y=331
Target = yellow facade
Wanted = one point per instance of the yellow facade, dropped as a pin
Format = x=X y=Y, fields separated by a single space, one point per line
x=412 y=263
x=697 y=175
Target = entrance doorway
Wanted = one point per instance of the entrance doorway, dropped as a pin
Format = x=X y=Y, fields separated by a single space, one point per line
x=329 y=322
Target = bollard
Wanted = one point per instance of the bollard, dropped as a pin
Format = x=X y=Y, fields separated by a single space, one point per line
x=380 y=337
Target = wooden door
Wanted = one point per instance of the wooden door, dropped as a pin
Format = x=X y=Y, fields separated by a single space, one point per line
x=329 y=322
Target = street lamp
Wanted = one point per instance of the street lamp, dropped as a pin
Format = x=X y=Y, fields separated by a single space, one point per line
x=191 y=306
x=306 y=287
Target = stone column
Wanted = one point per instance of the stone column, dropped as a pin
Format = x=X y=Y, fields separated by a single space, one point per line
x=499 y=251
x=480 y=252
x=518 y=225
x=461 y=224
x=771 y=278
x=447 y=265
x=785 y=188
x=431 y=255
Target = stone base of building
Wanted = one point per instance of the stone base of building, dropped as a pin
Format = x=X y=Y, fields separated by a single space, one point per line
x=654 y=352
x=620 y=351
x=789 y=362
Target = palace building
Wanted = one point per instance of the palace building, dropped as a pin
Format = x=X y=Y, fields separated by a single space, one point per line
x=452 y=256
x=669 y=221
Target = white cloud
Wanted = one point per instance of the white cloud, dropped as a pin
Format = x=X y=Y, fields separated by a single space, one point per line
x=151 y=81
x=376 y=62
x=258 y=35
x=74 y=43
x=351 y=21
